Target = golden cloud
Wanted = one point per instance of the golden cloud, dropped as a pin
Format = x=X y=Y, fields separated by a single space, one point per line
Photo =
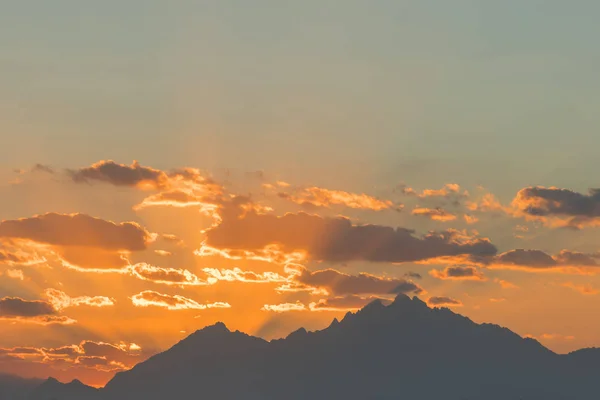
x=176 y=302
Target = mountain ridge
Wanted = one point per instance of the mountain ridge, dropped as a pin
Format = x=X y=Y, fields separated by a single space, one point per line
x=401 y=350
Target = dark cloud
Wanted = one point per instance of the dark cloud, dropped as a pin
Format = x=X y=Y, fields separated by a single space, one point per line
x=566 y=260
x=16 y=307
x=413 y=275
x=443 y=301
x=338 y=284
x=42 y=168
x=542 y=203
x=458 y=273
x=530 y=258
x=120 y=174
x=344 y=303
x=337 y=239
x=77 y=230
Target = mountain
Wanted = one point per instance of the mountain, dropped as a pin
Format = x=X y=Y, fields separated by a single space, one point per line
x=14 y=387
x=51 y=389
x=404 y=350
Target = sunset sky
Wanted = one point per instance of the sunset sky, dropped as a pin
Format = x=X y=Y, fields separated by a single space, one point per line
x=276 y=164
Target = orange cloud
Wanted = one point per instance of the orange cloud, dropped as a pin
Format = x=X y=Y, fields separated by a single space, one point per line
x=458 y=273
x=151 y=298
x=551 y=336
x=505 y=284
x=583 y=289
x=488 y=203
x=15 y=274
x=284 y=307
x=448 y=190
x=436 y=214
x=99 y=356
x=166 y=276
x=470 y=219
x=497 y=299
x=320 y=197
x=236 y=274
x=60 y=300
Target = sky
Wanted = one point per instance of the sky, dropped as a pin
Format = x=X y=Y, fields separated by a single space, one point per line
x=276 y=164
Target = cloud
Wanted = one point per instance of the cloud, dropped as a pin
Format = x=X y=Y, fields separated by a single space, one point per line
x=33 y=311
x=167 y=276
x=15 y=274
x=444 y=302
x=19 y=258
x=42 y=168
x=343 y=304
x=86 y=259
x=413 y=275
x=559 y=207
x=435 y=214
x=505 y=284
x=178 y=198
x=77 y=230
x=552 y=336
x=337 y=239
x=470 y=219
x=60 y=300
x=151 y=298
x=284 y=307
x=536 y=260
x=448 y=190
x=583 y=289
x=488 y=203
x=100 y=356
x=458 y=273
x=321 y=197
x=338 y=283
x=17 y=307
x=236 y=274
x=133 y=175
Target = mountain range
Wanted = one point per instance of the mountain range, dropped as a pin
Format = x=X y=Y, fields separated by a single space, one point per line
x=404 y=350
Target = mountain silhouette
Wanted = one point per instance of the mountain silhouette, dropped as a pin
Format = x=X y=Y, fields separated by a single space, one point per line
x=15 y=387
x=52 y=389
x=404 y=350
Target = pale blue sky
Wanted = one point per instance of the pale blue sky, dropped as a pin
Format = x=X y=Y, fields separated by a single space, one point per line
x=500 y=93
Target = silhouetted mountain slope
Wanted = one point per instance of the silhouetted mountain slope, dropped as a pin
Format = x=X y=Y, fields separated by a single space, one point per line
x=15 y=387
x=51 y=389
x=402 y=351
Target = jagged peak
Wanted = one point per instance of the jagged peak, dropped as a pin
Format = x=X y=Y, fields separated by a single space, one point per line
x=297 y=333
x=217 y=327
x=52 y=380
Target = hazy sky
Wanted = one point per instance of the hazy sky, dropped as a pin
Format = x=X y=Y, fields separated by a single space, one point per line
x=351 y=104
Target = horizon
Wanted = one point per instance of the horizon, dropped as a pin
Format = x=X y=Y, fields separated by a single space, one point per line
x=276 y=165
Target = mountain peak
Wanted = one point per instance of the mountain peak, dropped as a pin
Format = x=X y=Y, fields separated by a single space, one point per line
x=217 y=327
